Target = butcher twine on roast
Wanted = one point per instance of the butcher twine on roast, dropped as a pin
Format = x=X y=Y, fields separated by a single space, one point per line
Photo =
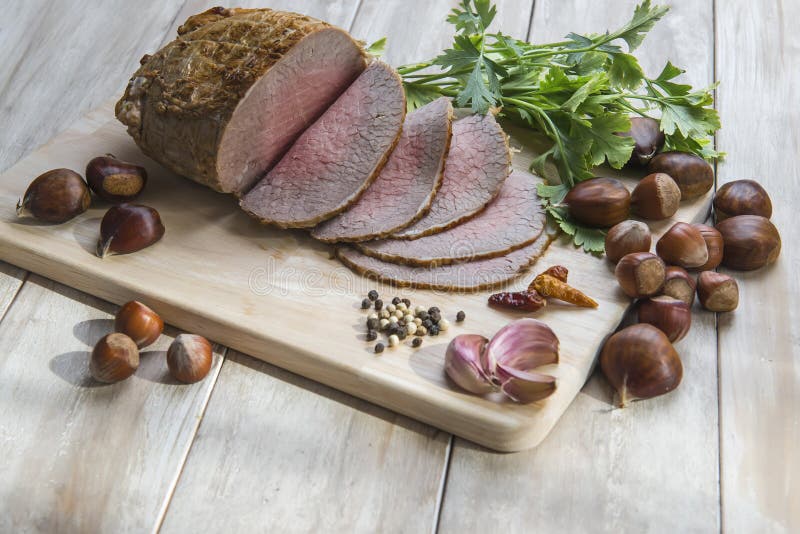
x=224 y=101
x=406 y=186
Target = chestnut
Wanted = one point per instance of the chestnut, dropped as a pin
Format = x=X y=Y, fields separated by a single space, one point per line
x=115 y=180
x=741 y=197
x=55 y=197
x=656 y=197
x=189 y=358
x=683 y=245
x=626 y=237
x=127 y=228
x=640 y=274
x=679 y=284
x=114 y=358
x=717 y=292
x=599 y=202
x=139 y=322
x=647 y=137
x=693 y=174
x=640 y=363
x=670 y=315
x=714 y=245
x=750 y=242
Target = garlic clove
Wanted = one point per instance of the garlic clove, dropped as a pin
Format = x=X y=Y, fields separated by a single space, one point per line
x=526 y=386
x=464 y=365
x=523 y=345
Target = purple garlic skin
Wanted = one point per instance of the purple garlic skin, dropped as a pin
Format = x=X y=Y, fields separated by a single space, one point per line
x=507 y=362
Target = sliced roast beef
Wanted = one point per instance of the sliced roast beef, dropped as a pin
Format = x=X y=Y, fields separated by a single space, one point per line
x=476 y=167
x=221 y=103
x=337 y=157
x=470 y=276
x=406 y=186
x=512 y=220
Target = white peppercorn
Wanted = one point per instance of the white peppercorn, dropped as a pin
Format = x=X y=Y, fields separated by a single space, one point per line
x=444 y=324
x=384 y=323
x=408 y=318
x=372 y=315
x=399 y=314
x=394 y=340
x=411 y=329
x=417 y=321
x=402 y=306
x=391 y=308
x=421 y=330
x=384 y=314
x=393 y=319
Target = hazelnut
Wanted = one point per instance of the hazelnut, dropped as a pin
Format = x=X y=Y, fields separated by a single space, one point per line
x=717 y=292
x=139 y=322
x=656 y=197
x=750 y=242
x=114 y=358
x=683 y=245
x=599 y=202
x=647 y=137
x=640 y=274
x=626 y=237
x=741 y=197
x=693 y=174
x=679 y=284
x=640 y=363
x=115 y=180
x=670 y=315
x=714 y=244
x=127 y=228
x=189 y=358
x=55 y=197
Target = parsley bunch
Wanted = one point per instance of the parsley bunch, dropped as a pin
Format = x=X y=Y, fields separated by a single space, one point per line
x=578 y=93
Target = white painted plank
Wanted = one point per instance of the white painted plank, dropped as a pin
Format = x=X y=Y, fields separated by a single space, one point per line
x=11 y=279
x=758 y=51
x=79 y=456
x=604 y=469
x=280 y=453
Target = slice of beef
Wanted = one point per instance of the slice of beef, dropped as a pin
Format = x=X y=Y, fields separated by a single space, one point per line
x=406 y=186
x=221 y=103
x=336 y=158
x=470 y=276
x=476 y=167
x=512 y=220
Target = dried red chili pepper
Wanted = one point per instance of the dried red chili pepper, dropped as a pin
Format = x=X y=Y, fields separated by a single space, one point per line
x=518 y=300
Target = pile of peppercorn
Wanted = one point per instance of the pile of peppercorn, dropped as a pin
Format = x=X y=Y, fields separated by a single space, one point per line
x=400 y=320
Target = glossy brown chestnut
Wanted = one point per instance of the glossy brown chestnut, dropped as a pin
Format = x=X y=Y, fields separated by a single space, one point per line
x=656 y=197
x=714 y=244
x=693 y=174
x=750 y=242
x=189 y=358
x=139 y=322
x=127 y=228
x=114 y=358
x=55 y=197
x=640 y=274
x=627 y=237
x=683 y=245
x=741 y=197
x=115 y=180
x=640 y=363
x=599 y=202
x=717 y=292
x=679 y=284
x=647 y=137
x=670 y=315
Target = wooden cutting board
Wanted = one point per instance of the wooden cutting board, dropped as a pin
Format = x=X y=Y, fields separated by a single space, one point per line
x=279 y=296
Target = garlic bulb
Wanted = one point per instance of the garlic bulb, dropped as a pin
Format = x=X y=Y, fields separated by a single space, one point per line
x=507 y=362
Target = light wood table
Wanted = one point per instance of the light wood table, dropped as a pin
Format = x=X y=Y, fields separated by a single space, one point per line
x=256 y=449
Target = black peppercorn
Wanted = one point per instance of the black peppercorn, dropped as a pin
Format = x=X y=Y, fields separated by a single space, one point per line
x=435 y=317
x=460 y=316
x=373 y=324
x=407 y=302
x=378 y=305
x=372 y=335
x=396 y=301
x=401 y=334
x=379 y=348
x=434 y=330
x=417 y=342
x=427 y=323
x=372 y=295
x=423 y=315
x=365 y=304
x=434 y=309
